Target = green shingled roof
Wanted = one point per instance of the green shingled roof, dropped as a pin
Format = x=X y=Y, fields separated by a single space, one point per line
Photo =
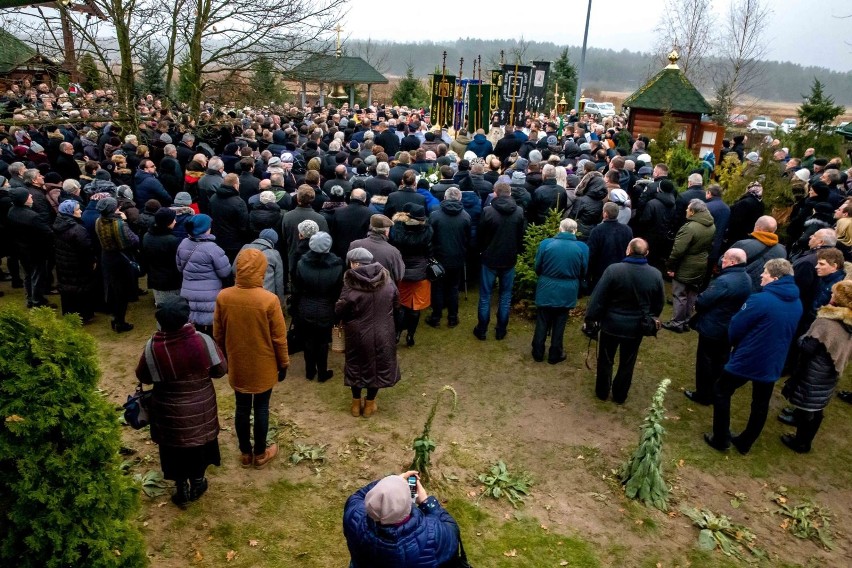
x=331 y=69
x=13 y=51
x=669 y=90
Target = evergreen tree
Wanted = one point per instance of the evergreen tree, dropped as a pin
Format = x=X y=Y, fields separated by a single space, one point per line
x=564 y=75
x=642 y=475
x=410 y=92
x=90 y=73
x=63 y=500
x=818 y=110
x=152 y=63
x=722 y=105
x=187 y=81
x=263 y=83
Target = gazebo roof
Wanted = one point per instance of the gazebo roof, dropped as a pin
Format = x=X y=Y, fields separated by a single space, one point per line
x=331 y=69
x=669 y=90
x=13 y=52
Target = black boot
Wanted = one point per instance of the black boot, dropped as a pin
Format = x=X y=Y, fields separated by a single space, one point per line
x=411 y=326
x=197 y=488
x=181 y=494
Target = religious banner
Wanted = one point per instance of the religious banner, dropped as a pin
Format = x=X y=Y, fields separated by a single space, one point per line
x=461 y=101
x=443 y=95
x=479 y=106
x=496 y=86
x=538 y=91
x=514 y=93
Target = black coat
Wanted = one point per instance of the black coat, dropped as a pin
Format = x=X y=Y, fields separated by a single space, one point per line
x=41 y=204
x=159 y=249
x=506 y=145
x=31 y=235
x=265 y=216
x=451 y=233
x=614 y=303
x=415 y=245
x=549 y=195
x=75 y=255
x=477 y=184
x=744 y=213
x=379 y=185
x=607 y=245
x=230 y=218
x=249 y=186
x=396 y=173
x=171 y=175
x=66 y=166
x=588 y=209
x=316 y=287
x=389 y=141
x=398 y=199
x=349 y=224
x=500 y=233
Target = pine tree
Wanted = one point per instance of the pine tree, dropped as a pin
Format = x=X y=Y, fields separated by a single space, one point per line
x=187 y=81
x=263 y=83
x=410 y=92
x=722 y=105
x=564 y=75
x=63 y=500
x=152 y=63
x=90 y=73
x=642 y=475
x=818 y=110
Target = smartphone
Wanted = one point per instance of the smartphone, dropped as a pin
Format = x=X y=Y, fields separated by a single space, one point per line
x=412 y=485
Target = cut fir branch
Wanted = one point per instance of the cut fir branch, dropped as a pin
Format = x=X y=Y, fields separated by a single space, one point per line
x=424 y=446
x=720 y=532
x=642 y=475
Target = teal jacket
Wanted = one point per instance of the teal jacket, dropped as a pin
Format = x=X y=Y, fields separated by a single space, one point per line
x=560 y=262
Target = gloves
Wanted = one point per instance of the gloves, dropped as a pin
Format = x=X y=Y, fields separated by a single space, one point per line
x=282 y=374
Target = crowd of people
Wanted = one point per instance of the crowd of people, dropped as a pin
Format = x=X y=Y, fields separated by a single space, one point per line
x=263 y=231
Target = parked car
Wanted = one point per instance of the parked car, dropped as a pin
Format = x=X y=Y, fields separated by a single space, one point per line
x=762 y=127
x=739 y=119
x=788 y=124
x=595 y=108
x=609 y=106
x=845 y=130
x=761 y=117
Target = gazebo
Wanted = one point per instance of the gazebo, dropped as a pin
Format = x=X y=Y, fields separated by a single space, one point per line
x=670 y=92
x=339 y=70
x=19 y=61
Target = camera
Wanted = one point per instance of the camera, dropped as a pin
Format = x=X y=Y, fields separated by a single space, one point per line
x=591 y=329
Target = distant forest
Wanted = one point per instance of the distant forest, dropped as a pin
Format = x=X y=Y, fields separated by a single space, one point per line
x=606 y=69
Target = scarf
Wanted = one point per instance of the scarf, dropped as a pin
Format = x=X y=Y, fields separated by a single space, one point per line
x=832 y=328
x=767 y=239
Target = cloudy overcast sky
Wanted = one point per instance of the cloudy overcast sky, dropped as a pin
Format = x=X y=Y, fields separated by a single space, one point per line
x=808 y=32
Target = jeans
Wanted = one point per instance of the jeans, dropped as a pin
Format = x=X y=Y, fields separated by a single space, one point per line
x=445 y=293
x=683 y=296
x=35 y=280
x=608 y=345
x=551 y=320
x=761 y=394
x=710 y=360
x=486 y=285
x=242 y=421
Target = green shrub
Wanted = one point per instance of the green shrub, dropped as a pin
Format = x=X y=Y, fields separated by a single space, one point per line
x=525 y=276
x=63 y=500
x=681 y=162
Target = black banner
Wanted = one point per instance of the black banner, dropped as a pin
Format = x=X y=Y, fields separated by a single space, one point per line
x=496 y=87
x=514 y=94
x=443 y=95
x=538 y=90
x=478 y=107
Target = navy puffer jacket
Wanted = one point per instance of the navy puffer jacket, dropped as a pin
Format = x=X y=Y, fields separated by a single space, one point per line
x=428 y=539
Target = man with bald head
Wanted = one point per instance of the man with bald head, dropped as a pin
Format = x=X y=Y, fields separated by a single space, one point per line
x=66 y=166
x=714 y=309
x=761 y=245
x=350 y=223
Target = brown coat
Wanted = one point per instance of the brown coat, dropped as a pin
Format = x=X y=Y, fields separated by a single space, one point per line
x=366 y=307
x=249 y=327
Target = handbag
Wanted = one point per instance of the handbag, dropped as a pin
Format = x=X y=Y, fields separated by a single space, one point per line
x=338 y=339
x=648 y=325
x=434 y=270
x=137 y=408
x=135 y=267
x=295 y=340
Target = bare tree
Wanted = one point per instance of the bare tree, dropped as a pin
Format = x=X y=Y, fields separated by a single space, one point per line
x=742 y=50
x=687 y=26
x=375 y=54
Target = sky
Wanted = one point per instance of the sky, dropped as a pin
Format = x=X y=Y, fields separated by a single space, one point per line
x=797 y=33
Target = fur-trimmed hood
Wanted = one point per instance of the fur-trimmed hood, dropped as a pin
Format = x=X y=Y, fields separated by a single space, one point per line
x=836 y=313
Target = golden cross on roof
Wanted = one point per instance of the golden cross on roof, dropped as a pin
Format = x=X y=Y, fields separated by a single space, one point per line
x=338 y=29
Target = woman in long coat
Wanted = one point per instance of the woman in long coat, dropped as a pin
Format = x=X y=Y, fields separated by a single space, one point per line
x=824 y=352
x=413 y=237
x=180 y=363
x=117 y=243
x=203 y=264
x=366 y=307
x=75 y=261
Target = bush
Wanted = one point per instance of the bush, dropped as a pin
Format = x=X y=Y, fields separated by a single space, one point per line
x=525 y=276
x=681 y=162
x=63 y=501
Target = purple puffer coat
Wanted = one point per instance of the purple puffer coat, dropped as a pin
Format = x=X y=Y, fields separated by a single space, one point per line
x=203 y=265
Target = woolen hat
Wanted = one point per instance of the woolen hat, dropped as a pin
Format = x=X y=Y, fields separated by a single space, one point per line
x=519 y=178
x=803 y=174
x=68 y=207
x=267 y=197
x=107 y=206
x=164 y=217
x=361 y=256
x=585 y=147
x=198 y=224
x=415 y=211
x=286 y=158
x=152 y=206
x=269 y=235
x=619 y=196
x=752 y=157
x=308 y=228
x=534 y=156
x=321 y=242
x=645 y=158
x=379 y=221
x=172 y=313
x=274 y=161
x=667 y=186
x=19 y=195
x=183 y=199
x=389 y=501
x=821 y=162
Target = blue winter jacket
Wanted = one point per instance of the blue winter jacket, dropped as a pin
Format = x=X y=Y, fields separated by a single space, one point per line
x=722 y=299
x=480 y=145
x=560 y=262
x=762 y=330
x=203 y=265
x=428 y=539
x=473 y=205
x=149 y=187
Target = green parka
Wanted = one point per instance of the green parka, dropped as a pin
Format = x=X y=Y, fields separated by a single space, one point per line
x=692 y=245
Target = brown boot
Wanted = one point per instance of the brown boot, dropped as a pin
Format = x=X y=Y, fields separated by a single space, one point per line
x=370 y=408
x=266 y=457
x=356 y=407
